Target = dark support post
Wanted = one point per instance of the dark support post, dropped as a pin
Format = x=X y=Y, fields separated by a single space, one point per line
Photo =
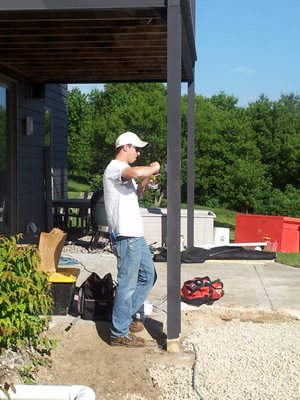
x=173 y=174
x=191 y=151
x=191 y=165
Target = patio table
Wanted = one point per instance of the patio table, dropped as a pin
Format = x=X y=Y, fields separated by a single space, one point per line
x=66 y=209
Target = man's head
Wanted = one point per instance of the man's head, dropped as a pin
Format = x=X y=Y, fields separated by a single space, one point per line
x=128 y=147
x=130 y=138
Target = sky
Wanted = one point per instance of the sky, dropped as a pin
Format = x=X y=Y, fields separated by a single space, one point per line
x=245 y=48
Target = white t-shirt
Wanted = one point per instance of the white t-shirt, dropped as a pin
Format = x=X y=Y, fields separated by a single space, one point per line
x=121 y=202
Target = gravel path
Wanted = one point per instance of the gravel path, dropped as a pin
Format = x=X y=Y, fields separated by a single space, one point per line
x=237 y=360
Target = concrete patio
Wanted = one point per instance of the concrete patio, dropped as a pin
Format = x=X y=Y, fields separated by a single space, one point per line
x=263 y=285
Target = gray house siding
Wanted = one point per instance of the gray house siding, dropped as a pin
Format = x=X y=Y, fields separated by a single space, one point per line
x=32 y=167
x=56 y=100
x=30 y=160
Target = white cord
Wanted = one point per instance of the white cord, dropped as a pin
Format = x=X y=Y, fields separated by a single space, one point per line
x=194 y=368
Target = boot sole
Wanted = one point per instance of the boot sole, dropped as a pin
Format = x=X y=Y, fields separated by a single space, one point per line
x=127 y=345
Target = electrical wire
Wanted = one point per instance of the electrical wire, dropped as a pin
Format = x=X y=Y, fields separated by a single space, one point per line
x=194 y=368
x=66 y=259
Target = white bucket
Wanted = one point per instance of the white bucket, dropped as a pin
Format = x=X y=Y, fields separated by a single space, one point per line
x=147 y=308
x=221 y=236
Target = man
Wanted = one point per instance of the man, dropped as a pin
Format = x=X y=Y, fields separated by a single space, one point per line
x=136 y=272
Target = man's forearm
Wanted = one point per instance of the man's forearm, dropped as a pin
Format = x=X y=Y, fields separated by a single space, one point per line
x=143 y=187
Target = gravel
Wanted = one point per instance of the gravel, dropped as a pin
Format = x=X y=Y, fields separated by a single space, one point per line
x=82 y=246
x=237 y=360
x=234 y=360
x=12 y=364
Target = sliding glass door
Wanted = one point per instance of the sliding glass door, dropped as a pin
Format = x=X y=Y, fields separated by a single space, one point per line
x=8 y=200
x=4 y=190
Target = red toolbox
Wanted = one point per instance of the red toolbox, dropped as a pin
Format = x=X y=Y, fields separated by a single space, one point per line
x=281 y=233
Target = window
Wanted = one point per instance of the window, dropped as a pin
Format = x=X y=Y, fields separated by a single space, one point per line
x=4 y=187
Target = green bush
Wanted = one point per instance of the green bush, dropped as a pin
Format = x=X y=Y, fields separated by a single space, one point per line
x=25 y=297
x=280 y=202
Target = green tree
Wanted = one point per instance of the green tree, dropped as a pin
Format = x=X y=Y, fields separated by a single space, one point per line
x=228 y=161
x=286 y=202
x=276 y=127
x=248 y=186
x=286 y=161
x=247 y=159
x=140 y=108
x=224 y=102
x=79 y=136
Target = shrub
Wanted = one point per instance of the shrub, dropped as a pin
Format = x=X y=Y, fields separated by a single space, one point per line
x=25 y=297
x=285 y=203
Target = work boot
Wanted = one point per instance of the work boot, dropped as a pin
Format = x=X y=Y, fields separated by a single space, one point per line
x=136 y=326
x=127 y=341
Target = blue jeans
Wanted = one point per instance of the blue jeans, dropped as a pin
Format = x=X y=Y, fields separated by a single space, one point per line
x=135 y=279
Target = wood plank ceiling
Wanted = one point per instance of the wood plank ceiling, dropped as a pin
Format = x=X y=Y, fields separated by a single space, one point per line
x=86 y=46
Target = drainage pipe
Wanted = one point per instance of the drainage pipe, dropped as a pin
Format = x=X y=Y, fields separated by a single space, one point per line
x=50 y=392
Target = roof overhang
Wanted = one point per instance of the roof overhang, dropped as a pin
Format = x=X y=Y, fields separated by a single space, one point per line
x=78 y=41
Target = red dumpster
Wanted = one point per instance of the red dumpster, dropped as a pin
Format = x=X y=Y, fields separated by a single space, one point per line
x=282 y=233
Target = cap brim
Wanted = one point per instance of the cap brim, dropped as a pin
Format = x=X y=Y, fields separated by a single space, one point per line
x=143 y=144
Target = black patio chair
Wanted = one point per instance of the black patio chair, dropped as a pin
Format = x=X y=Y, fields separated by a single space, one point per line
x=99 y=225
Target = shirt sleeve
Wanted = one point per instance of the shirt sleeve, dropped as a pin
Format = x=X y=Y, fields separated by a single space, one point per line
x=115 y=173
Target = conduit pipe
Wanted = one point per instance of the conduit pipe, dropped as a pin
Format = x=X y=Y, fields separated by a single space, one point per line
x=50 y=392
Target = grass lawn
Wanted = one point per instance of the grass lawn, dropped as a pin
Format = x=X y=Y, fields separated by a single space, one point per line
x=75 y=188
x=224 y=218
x=292 y=259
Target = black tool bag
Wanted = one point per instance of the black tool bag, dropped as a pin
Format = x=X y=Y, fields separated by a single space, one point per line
x=96 y=297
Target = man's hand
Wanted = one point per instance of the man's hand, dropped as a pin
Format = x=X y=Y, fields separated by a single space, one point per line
x=153 y=169
x=157 y=165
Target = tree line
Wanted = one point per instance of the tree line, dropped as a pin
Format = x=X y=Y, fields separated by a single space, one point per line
x=246 y=158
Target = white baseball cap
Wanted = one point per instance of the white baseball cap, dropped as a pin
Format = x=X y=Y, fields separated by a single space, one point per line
x=130 y=138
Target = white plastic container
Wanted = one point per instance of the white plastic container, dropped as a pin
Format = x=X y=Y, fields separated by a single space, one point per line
x=147 y=308
x=221 y=236
x=145 y=311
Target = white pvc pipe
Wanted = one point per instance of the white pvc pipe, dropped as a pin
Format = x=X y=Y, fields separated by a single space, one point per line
x=50 y=392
